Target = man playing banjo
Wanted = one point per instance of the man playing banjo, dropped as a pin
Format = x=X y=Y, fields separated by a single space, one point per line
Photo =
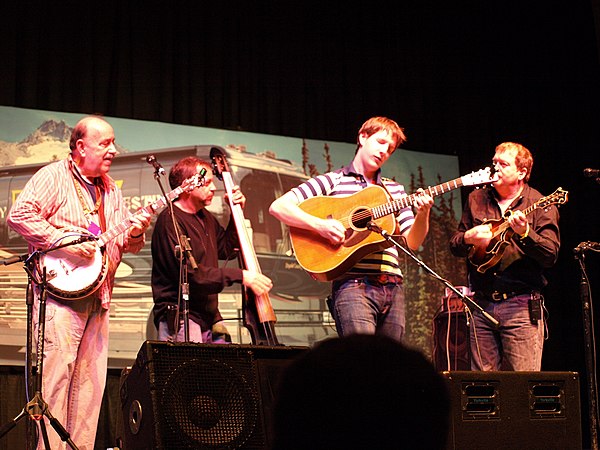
x=64 y=201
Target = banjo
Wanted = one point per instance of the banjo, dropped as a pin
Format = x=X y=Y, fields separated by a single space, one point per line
x=72 y=277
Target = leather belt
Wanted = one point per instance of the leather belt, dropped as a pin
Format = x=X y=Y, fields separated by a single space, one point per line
x=500 y=296
x=385 y=278
x=382 y=278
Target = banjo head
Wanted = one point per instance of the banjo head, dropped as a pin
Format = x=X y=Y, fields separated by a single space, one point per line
x=72 y=277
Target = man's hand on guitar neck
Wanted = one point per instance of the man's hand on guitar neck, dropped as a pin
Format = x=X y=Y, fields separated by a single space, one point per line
x=139 y=223
x=518 y=222
x=238 y=197
x=423 y=201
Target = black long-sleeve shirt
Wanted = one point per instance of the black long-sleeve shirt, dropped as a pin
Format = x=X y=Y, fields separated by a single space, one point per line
x=524 y=260
x=209 y=242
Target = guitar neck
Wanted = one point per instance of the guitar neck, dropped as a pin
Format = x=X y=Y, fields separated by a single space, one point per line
x=248 y=253
x=503 y=225
x=124 y=225
x=530 y=209
x=396 y=205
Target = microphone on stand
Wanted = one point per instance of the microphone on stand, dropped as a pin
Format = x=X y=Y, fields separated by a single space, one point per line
x=84 y=238
x=587 y=245
x=14 y=259
x=151 y=159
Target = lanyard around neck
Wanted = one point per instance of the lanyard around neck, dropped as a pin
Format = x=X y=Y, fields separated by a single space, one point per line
x=84 y=204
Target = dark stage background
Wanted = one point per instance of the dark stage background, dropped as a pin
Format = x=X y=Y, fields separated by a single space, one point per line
x=460 y=76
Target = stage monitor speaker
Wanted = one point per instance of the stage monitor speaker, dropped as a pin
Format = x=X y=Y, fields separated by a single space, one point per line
x=451 y=341
x=201 y=396
x=514 y=410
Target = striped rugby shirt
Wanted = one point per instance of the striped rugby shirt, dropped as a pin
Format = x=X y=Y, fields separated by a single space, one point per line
x=344 y=182
x=49 y=202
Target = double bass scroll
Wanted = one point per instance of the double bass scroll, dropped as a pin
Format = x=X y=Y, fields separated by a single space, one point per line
x=259 y=316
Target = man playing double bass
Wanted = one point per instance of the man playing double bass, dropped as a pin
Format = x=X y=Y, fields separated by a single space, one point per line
x=209 y=242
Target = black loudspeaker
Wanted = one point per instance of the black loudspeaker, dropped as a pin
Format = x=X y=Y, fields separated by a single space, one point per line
x=451 y=336
x=514 y=410
x=200 y=396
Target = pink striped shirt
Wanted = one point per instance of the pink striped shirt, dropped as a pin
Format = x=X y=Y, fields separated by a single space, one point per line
x=49 y=202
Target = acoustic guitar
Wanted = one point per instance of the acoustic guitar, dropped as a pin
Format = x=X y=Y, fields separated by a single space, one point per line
x=325 y=261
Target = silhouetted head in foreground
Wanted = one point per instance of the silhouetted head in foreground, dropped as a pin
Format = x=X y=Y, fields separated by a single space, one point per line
x=361 y=392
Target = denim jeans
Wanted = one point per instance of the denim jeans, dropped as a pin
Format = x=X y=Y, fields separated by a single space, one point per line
x=367 y=307
x=516 y=345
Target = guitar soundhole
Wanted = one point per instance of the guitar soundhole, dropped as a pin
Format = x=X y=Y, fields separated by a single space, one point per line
x=361 y=219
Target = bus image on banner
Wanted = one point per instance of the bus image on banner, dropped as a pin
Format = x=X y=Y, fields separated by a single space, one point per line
x=297 y=299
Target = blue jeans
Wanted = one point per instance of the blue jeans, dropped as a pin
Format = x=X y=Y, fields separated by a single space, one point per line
x=367 y=307
x=516 y=345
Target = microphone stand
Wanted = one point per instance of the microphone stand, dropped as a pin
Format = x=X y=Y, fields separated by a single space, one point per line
x=467 y=301
x=36 y=408
x=183 y=252
x=589 y=342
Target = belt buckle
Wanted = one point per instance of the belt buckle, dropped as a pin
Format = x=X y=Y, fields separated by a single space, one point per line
x=383 y=278
x=498 y=296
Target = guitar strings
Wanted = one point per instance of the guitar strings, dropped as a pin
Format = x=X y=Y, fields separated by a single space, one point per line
x=369 y=212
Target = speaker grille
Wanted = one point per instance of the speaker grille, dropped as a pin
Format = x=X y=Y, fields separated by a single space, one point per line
x=213 y=403
x=200 y=396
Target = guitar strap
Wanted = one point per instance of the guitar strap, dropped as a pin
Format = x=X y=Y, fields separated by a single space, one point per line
x=100 y=202
x=97 y=195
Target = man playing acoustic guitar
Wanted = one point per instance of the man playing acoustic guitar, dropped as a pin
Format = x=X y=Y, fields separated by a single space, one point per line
x=368 y=297
x=509 y=242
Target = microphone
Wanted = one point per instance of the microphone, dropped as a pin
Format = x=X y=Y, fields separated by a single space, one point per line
x=587 y=245
x=14 y=259
x=591 y=173
x=83 y=238
x=151 y=159
x=372 y=226
x=88 y=237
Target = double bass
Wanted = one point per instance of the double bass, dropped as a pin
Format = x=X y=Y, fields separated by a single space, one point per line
x=258 y=314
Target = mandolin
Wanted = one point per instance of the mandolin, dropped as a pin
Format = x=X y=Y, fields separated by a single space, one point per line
x=485 y=257
x=259 y=316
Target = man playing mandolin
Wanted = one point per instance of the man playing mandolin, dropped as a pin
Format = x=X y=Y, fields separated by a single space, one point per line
x=63 y=200
x=509 y=243
x=368 y=298
x=209 y=242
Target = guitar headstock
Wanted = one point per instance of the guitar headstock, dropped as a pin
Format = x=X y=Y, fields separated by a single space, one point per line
x=193 y=182
x=483 y=176
x=219 y=162
x=558 y=197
